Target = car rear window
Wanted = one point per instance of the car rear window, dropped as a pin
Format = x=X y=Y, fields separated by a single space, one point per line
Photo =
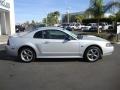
x=38 y=35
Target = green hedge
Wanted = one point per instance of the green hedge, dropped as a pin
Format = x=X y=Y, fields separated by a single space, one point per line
x=93 y=20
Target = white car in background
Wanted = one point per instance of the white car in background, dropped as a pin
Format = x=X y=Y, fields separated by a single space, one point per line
x=79 y=26
x=118 y=28
x=55 y=42
x=94 y=26
x=76 y=26
x=72 y=26
x=86 y=27
x=91 y=27
x=105 y=26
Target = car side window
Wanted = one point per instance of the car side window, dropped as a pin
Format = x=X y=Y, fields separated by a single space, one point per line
x=54 y=34
x=38 y=35
x=51 y=34
x=45 y=34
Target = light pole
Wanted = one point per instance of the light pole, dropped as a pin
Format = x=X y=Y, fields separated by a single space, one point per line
x=46 y=21
x=68 y=17
x=115 y=23
x=68 y=10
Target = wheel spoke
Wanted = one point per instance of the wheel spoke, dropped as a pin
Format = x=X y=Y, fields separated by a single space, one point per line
x=92 y=57
x=24 y=56
x=92 y=51
x=24 y=52
x=89 y=54
x=95 y=55
x=28 y=58
x=29 y=55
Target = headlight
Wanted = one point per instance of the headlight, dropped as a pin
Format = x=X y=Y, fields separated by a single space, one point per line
x=108 y=45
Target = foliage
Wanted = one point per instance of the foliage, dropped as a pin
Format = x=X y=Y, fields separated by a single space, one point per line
x=52 y=18
x=94 y=20
x=73 y=18
x=118 y=15
x=97 y=9
x=44 y=20
x=79 y=18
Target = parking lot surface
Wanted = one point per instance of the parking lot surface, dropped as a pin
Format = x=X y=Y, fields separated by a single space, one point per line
x=60 y=74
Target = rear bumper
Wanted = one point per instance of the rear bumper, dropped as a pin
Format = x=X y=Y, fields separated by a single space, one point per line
x=11 y=51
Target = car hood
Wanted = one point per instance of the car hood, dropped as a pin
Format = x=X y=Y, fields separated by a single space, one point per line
x=91 y=37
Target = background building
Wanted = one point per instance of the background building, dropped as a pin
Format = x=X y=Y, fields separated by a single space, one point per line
x=7 y=17
x=70 y=17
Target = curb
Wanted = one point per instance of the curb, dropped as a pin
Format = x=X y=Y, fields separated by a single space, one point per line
x=3 y=43
x=117 y=42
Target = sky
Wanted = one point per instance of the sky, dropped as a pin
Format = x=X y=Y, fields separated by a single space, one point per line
x=28 y=10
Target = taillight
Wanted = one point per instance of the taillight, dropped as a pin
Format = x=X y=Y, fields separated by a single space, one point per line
x=8 y=42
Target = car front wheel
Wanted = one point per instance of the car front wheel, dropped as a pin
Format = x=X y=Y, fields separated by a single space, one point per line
x=27 y=55
x=92 y=54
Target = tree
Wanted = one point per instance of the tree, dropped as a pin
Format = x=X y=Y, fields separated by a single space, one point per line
x=44 y=21
x=33 y=24
x=73 y=18
x=79 y=18
x=52 y=18
x=57 y=14
x=118 y=15
x=97 y=9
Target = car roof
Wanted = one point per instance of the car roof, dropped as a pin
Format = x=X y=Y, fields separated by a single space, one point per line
x=47 y=28
x=39 y=29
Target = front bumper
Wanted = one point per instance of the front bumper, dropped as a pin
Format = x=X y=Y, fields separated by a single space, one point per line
x=108 y=50
x=11 y=50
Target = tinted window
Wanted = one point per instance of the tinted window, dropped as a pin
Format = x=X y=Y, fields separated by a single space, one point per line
x=51 y=34
x=45 y=34
x=38 y=34
x=54 y=34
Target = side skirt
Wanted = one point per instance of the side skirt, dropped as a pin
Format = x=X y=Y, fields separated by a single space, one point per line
x=59 y=57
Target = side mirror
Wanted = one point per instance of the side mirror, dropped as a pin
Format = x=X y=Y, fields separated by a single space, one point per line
x=67 y=37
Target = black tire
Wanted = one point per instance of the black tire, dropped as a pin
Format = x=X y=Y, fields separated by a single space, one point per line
x=30 y=51
x=97 y=52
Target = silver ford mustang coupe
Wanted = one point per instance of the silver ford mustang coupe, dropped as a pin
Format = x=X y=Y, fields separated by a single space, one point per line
x=54 y=42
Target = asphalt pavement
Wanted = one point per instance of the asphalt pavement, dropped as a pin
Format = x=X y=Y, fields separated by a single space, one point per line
x=60 y=74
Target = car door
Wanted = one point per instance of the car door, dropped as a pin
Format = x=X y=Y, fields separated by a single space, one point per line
x=54 y=44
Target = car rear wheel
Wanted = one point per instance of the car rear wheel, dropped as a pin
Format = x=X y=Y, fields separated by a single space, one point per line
x=27 y=55
x=92 y=54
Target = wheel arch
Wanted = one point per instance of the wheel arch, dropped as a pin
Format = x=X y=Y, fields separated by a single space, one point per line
x=26 y=46
x=92 y=46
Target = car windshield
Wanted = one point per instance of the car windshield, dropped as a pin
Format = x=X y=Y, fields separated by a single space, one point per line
x=74 y=35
